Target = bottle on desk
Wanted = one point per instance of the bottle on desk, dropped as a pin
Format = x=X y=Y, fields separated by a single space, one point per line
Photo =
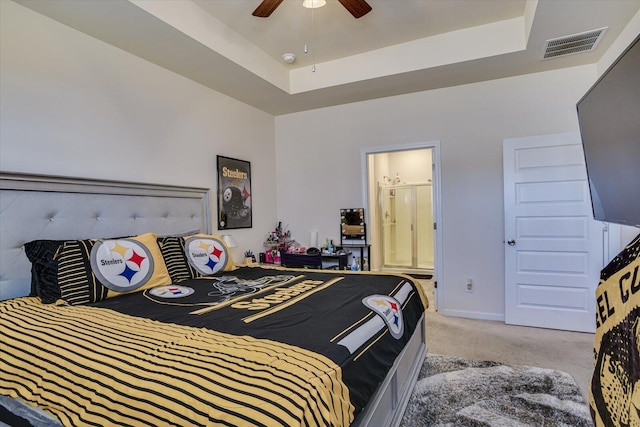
x=354 y=264
x=330 y=247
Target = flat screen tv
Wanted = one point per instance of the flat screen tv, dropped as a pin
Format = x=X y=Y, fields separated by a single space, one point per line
x=609 y=116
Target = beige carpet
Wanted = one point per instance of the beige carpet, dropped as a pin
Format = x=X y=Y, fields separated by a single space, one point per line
x=570 y=352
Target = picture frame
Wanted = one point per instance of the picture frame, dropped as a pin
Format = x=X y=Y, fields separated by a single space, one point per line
x=234 y=193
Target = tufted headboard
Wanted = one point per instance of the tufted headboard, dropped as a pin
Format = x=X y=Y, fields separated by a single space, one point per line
x=49 y=207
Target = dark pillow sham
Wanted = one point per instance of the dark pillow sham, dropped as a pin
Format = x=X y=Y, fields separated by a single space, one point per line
x=43 y=255
x=172 y=249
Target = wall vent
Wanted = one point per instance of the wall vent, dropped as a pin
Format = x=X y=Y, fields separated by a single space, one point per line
x=575 y=43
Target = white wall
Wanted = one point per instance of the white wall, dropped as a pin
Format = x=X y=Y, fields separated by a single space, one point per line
x=318 y=154
x=412 y=166
x=72 y=105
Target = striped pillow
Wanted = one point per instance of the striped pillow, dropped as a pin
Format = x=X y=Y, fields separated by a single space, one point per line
x=43 y=255
x=94 y=269
x=194 y=256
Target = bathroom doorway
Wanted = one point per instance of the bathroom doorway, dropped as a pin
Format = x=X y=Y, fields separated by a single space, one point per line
x=402 y=198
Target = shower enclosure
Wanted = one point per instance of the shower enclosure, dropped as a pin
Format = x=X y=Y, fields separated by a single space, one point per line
x=406 y=213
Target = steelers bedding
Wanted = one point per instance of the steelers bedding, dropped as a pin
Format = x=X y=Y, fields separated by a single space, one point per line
x=242 y=347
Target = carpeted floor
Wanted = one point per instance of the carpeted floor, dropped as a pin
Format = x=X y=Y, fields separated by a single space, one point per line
x=464 y=393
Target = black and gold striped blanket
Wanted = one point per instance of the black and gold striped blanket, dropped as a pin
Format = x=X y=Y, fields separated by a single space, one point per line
x=252 y=347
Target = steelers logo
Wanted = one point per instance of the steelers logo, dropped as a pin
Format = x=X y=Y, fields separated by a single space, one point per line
x=206 y=254
x=389 y=309
x=227 y=195
x=171 y=291
x=121 y=265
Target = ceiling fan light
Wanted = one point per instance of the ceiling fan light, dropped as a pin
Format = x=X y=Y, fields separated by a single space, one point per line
x=312 y=4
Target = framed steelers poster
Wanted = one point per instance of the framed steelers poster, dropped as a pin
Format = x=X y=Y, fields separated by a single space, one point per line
x=234 y=193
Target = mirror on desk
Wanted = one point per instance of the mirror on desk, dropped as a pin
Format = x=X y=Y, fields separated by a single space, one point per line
x=353 y=229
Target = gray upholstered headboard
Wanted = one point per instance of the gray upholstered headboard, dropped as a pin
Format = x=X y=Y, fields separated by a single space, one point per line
x=47 y=207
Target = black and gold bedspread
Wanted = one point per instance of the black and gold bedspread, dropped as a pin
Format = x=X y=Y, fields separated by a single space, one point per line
x=254 y=346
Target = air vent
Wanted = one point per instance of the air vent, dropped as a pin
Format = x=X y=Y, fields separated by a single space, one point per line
x=575 y=43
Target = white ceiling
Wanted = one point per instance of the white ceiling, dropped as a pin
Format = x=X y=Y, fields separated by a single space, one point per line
x=401 y=46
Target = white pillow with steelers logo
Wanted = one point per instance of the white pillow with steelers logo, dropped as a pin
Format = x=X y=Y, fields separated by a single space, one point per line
x=96 y=269
x=203 y=255
x=207 y=254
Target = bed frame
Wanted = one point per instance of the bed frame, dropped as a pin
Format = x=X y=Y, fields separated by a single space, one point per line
x=388 y=404
x=53 y=207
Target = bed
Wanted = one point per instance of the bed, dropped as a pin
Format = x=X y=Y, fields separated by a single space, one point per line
x=151 y=323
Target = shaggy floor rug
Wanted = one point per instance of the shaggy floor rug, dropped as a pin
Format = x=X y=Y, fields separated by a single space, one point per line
x=461 y=393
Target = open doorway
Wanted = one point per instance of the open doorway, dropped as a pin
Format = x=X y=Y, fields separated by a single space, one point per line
x=403 y=202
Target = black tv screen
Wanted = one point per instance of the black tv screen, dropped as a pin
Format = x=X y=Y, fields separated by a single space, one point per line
x=609 y=116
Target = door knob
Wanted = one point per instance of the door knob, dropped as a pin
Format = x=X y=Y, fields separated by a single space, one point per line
x=511 y=242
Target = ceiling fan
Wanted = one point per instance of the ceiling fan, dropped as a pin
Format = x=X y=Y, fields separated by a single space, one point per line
x=357 y=8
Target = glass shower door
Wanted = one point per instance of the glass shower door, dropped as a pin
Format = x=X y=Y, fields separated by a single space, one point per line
x=397 y=207
x=424 y=227
x=407 y=226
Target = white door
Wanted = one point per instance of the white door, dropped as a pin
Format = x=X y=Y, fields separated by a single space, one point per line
x=553 y=247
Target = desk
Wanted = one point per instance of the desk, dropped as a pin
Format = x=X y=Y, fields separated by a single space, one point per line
x=314 y=261
x=362 y=248
x=343 y=259
x=300 y=260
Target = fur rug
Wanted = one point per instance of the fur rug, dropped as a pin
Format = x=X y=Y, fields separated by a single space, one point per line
x=461 y=393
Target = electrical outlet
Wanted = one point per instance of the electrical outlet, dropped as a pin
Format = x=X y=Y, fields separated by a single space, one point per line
x=469 y=285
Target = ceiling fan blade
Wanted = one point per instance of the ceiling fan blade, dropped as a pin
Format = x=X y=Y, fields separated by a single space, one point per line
x=266 y=8
x=358 y=8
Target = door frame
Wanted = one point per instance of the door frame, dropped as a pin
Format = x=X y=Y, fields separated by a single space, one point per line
x=437 y=211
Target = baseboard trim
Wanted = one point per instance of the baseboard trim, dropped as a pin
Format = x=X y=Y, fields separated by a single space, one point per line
x=477 y=315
